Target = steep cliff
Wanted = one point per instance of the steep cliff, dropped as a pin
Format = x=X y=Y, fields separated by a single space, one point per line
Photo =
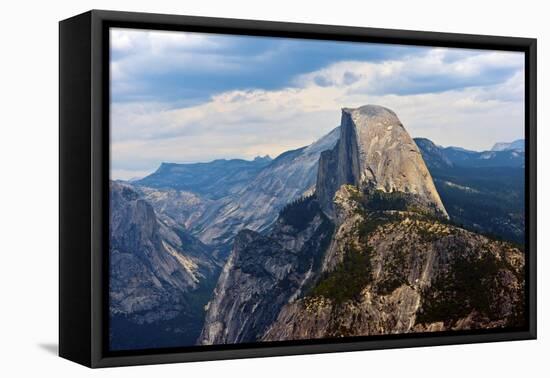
x=375 y=150
x=264 y=272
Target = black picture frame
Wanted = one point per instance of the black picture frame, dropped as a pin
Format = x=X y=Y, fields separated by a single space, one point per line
x=84 y=191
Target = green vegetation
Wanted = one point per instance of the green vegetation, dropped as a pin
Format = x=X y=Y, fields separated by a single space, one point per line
x=470 y=284
x=378 y=200
x=489 y=200
x=393 y=269
x=371 y=221
x=349 y=277
x=374 y=200
x=300 y=212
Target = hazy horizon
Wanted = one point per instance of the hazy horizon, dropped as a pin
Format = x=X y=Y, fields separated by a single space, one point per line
x=189 y=97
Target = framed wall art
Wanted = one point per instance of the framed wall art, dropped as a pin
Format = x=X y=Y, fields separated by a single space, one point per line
x=234 y=188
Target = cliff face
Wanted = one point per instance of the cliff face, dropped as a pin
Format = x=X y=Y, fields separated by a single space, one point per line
x=264 y=272
x=375 y=150
x=155 y=266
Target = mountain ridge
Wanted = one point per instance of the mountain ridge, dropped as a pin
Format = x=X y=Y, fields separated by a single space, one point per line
x=447 y=157
x=213 y=180
x=518 y=144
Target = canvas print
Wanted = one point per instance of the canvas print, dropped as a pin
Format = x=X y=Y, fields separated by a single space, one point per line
x=273 y=189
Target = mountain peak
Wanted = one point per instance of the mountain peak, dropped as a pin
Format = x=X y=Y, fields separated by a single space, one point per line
x=515 y=145
x=371 y=111
x=265 y=158
x=375 y=150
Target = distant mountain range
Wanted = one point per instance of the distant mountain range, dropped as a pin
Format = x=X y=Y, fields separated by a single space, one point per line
x=216 y=200
x=212 y=180
x=440 y=157
x=518 y=145
x=483 y=191
x=287 y=231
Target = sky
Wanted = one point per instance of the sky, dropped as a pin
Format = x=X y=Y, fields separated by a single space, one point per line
x=194 y=97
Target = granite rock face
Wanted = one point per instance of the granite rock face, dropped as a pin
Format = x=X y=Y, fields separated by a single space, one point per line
x=185 y=208
x=375 y=150
x=264 y=272
x=153 y=264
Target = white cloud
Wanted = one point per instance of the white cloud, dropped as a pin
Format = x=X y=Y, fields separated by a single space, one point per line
x=431 y=72
x=139 y=41
x=138 y=52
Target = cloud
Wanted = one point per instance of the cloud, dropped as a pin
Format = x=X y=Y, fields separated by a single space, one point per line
x=455 y=97
x=427 y=73
x=125 y=42
x=170 y=66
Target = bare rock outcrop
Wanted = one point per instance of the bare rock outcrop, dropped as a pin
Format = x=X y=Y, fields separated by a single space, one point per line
x=153 y=264
x=402 y=272
x=264 y=272
x=375 y=150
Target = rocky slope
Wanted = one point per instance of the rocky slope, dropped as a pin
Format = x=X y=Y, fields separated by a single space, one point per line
x=288 y=177
x=264 y=272
x=403 y=272
x=186 y=208
x=155 y=265
x=374 y=149
x=434 y=156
